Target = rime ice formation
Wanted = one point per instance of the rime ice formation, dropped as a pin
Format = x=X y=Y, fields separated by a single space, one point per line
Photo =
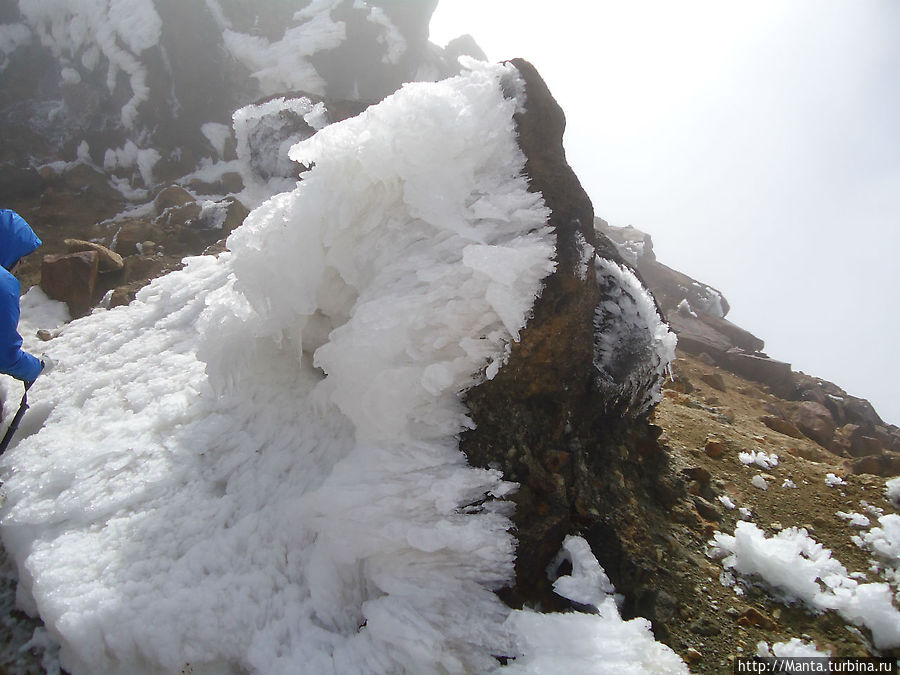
x=256 y=463
x=633 y=347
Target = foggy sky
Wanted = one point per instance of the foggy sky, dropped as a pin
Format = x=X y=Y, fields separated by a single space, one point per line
x=758 y=143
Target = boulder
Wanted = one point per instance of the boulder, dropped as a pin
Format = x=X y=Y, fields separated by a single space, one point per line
x=714 y=380
x=547 y=400
x=172 y=196
x=109 y=261
x=782 y=426
x=131 y=234
x=886 y=464
x=71 y=278
x=760 y=368
x=815 y=421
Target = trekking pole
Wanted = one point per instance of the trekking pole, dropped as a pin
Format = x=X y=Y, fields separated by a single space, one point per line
x=23 y=406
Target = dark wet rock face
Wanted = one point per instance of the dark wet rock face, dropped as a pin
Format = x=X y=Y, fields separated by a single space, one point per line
x=544 y=422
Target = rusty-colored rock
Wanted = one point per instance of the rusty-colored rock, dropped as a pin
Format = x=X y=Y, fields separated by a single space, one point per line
x=815 y=421
x=782 y=426
x=714 y=380
x=108 y=261
x=886 y=464
x=754 y=617
x=714 y=447
x=71 y=278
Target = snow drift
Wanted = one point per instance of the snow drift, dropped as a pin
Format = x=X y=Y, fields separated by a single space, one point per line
x=256 y=463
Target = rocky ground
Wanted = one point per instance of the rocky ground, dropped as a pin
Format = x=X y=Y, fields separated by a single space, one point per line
x=709 y=416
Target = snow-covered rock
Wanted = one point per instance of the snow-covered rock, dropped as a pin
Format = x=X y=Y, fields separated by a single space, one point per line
x=257 y=463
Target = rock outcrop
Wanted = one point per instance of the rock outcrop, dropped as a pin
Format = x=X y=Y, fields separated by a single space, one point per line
x=585 y=456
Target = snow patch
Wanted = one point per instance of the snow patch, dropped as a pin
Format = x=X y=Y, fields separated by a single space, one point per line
x=798 y=568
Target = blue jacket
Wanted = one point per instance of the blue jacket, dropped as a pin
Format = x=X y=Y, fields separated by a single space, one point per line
x=17 y=240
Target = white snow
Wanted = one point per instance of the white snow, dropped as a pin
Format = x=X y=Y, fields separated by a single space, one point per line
x=390 y=37
x=588 y=583
x=793 y=648
x=797 y=567
x=832 y=480
x=684 y=307
x=788 y=483
x=761 y=459
x=759 y=482
x=884 y=540
x=600 y=643
x=284 y=65
x=86 y=30
x=853 y=519
x=12 y=36
x=726 y=502
x=217 y=135
x=131 y=156
x=892 y=490
x=256 y=463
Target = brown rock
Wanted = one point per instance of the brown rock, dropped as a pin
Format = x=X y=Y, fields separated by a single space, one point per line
x=108 y=261
x=860 y=441
x=714 y=380
x=714 y=448
x=810 y=454
x=71 y=278
x=706 y=509
x=754 y=617
x=815 y=421
x=782 y=426
x=143 y=268
x=759 y=368
x=174 y=195
x=698 y=473
x=886 y=464
x=130 y=234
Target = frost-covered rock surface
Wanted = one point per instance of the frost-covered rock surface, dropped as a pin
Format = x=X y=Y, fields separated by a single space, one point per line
x=633 y=347
x=256 y=463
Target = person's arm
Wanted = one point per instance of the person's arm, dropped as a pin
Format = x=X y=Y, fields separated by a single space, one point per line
x=14 y=361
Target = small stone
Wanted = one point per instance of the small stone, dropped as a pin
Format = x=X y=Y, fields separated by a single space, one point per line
x=706 y=509
x=691 y=655
x=44 y=335
x=698 y=473
x=714 y=448
x=753 y=617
